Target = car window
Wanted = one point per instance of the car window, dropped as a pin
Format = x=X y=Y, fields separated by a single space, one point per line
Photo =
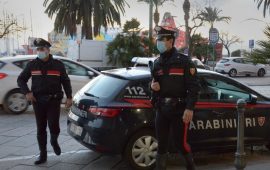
x=137 y=90
x=220 y=91
x=74 y=69
x=104 y=86
x=224 y=60
x=22 y=63
x=1 y=64
x=238 y=60
x=247 y=61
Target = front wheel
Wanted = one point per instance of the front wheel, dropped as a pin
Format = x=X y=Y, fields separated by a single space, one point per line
x=141 y=150
x=15 y=102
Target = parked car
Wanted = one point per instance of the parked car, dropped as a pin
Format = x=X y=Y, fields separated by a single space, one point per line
x=113 y=114
x=144 y=61
x=240 y=66
x=11 y=98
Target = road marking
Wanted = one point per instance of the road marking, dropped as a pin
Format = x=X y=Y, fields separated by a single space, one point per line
x=32 y=156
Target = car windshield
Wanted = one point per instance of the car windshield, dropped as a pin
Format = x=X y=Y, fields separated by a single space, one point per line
x=104 y=86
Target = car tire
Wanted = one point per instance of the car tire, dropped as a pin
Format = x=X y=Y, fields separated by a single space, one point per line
x=232 y=72
x=15 y=102
x=141 y=150
x=261 y=72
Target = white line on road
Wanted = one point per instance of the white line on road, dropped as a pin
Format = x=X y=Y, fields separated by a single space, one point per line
x=31 y=156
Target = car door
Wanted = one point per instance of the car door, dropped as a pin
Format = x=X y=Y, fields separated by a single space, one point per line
x=239 y=65
x=250 y=67
x=216 y=113
x=79 y=75
x=215 y=122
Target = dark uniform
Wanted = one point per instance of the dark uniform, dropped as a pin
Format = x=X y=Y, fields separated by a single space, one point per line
x=47 y=80
x=179 y=86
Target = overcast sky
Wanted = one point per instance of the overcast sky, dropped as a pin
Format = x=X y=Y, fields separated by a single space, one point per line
x=239 y=10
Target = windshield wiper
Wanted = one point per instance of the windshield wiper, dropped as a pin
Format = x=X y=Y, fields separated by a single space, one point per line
x=89 y=94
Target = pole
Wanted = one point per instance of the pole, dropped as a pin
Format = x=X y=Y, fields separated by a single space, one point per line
x=240 y=154
x=150 y=27
x=186 y=8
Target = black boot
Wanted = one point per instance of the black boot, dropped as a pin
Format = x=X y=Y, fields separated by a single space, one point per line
x=190 y=165
x=161 y=161
x=55 y=145
x=42 y=142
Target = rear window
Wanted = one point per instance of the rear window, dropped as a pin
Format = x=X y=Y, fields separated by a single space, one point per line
x=104 y=86
x=22 y=64
x=1 y=64
x=223 y=60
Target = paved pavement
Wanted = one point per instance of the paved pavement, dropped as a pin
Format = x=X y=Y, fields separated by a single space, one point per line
x=18 y=146
x=18 y=149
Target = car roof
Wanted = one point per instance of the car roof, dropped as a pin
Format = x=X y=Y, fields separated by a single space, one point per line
x=31 y=57
x=231 y=57
x=26 y=57
x=136 y=73
x=145 y=60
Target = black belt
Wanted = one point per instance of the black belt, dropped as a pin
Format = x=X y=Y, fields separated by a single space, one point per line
x=170 y=100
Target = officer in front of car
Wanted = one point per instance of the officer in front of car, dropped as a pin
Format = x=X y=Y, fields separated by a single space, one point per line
x=175 y=89
x=48 y=76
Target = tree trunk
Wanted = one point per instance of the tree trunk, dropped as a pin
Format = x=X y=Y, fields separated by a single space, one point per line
x=228 y=50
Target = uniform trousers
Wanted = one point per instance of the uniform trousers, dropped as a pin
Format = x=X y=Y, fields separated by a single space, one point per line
x=47 y=112
x=169 y=118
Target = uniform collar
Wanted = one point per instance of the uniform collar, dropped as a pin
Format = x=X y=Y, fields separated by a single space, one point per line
x=168 y=54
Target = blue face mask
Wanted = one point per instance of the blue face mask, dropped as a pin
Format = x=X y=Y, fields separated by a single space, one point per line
x=41 y=55
x=161 y=46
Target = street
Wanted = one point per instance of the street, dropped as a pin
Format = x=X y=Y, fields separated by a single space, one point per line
x=18 y=146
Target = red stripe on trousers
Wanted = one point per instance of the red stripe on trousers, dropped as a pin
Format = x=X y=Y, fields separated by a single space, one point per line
x=186 y=146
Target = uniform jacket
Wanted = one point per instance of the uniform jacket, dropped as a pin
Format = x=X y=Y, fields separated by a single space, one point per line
x=47 y=78
x=177 y=76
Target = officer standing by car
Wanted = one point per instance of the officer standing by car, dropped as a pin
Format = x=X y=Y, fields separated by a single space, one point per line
x=175 y=89
x=48 y=76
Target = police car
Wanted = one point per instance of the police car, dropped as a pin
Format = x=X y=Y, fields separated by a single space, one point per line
x=113 y=114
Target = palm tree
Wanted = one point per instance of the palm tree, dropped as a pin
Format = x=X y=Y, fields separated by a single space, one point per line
x=70 y=13
x=262 y=54
x=157 y=3
x=266 y=5
x=211 y=15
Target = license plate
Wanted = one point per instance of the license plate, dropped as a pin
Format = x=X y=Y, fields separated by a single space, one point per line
x=77 y=130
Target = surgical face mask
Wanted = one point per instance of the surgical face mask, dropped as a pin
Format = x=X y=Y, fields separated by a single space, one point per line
x=161 y=46
x=41 y=55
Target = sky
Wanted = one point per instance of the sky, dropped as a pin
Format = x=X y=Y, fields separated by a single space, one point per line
x=239 y=10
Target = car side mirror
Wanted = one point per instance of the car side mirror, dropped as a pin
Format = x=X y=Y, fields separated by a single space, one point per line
x=252 y=99
x=90 y=74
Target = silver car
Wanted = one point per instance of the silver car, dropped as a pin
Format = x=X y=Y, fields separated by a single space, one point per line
x=235 y=66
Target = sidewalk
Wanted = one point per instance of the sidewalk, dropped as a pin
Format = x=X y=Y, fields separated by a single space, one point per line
x=18 y=150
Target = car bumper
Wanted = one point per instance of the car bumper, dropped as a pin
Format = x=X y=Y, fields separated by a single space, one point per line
x=99 y=135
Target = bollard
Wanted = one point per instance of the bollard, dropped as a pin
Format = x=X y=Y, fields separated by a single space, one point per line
x=240 y=155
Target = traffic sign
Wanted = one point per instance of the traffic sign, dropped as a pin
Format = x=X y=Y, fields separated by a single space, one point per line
x=251 y=43
x=213 y=36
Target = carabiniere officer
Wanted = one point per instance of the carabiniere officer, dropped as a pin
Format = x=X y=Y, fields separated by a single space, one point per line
x=175 y=89
x=48 y=76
